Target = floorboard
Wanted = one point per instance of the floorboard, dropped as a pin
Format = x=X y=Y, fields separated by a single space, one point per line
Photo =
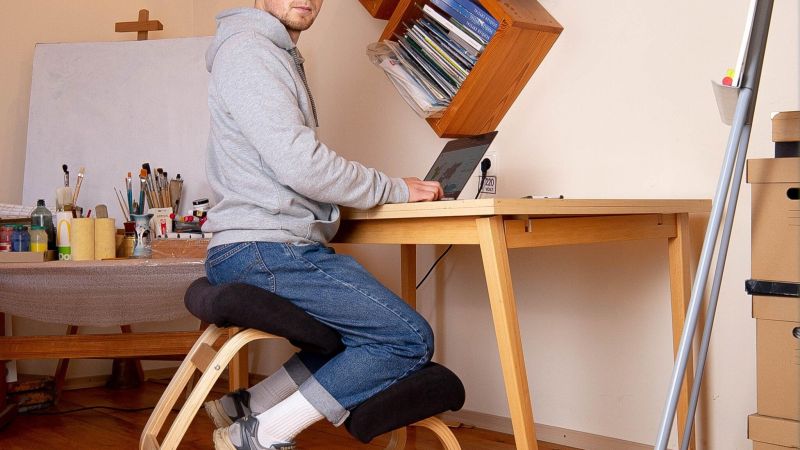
x=110 y=429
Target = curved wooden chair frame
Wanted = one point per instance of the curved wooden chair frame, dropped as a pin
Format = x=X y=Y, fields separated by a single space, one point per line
x=211 y=363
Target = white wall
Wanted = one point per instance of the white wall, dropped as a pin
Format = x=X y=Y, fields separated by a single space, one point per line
x=620 y=108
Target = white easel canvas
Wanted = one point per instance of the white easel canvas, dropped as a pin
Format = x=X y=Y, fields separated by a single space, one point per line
x=111 y=106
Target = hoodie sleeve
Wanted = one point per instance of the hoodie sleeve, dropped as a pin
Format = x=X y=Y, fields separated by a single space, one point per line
x=259 y=92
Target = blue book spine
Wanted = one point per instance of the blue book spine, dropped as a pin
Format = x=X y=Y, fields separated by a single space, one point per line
x=473 y=24
x=478 y=11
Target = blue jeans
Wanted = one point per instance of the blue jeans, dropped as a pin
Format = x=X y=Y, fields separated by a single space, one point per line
x=385 y=339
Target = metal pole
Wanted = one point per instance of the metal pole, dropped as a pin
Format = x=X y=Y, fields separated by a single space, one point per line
x=712 y=231
x=711 y=310
x=743 y=115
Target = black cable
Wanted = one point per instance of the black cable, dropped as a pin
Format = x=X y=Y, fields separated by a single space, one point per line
x=485 y=165
x=434 y=265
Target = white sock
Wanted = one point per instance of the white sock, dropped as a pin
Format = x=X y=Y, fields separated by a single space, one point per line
x=286 y=420
x=271 y=391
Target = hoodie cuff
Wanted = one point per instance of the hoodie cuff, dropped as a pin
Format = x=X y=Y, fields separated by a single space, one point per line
x=399 y=191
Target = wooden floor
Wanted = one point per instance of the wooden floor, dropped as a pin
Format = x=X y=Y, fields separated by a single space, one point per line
x=107 y=429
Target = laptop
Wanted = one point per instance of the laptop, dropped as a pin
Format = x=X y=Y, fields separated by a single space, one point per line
x=457 y=162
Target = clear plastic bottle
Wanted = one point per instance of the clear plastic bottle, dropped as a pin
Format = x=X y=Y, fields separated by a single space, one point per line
x=38 y=239
x=41 y=216
x=20 y=239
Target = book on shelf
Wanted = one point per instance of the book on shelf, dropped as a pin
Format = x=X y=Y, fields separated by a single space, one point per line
x=419 y=62
x=453 y=31
x=442 y=78
x=418 y=72
x=477 y=10
x=438 y=55
x=473 y=23
x=455 y=49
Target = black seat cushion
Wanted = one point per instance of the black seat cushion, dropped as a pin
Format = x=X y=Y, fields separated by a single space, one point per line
x=432 y=390
x=247 y=306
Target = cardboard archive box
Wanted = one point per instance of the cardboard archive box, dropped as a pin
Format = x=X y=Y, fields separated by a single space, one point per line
x=778 y=356
x=775 y=228
x=764 y=446
x=786 y=126
x=770 y=433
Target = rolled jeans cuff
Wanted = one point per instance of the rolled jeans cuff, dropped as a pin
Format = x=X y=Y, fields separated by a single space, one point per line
x=297 y=370
x=323 y=401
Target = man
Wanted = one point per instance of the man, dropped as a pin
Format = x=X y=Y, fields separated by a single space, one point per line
x=277 y=188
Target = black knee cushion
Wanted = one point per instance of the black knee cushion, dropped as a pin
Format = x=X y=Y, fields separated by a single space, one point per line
x=243 y=305
x=432 y=390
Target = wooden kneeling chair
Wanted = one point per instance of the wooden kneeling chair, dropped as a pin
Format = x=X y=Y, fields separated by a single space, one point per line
x=259 y=314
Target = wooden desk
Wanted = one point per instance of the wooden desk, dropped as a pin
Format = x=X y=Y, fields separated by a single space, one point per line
x=497 y=225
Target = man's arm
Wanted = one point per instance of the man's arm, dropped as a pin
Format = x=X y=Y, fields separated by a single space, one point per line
x=259 y=92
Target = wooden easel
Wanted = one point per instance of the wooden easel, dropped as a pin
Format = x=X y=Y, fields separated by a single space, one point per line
x=141 y=27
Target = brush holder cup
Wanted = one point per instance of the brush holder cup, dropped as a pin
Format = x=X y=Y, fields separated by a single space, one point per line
x=143 y=247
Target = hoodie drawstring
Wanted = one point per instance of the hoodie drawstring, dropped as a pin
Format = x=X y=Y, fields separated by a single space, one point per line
x=299 y=65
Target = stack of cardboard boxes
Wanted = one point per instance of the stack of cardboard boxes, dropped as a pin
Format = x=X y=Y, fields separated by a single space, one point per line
x=775 y=186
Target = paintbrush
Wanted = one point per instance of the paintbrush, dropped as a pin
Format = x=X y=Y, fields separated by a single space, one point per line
x=130 y=191
x=66 y=175
x=142 y=188
x=125 y=213
x=160 y=187
x=78 y=187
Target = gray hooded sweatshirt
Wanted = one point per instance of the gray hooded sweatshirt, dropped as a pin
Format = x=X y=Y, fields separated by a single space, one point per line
x=272 y=179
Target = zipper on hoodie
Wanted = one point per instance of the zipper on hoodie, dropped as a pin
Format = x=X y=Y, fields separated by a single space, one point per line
x=299 y=65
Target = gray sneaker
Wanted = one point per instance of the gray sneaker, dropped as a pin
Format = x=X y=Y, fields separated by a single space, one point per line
x=216 y=411
x=243 y=435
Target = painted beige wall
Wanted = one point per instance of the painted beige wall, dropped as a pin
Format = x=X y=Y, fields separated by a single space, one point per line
x=620 y=108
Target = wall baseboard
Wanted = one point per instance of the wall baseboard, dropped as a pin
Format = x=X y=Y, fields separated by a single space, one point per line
x=101 y=380
x=547 y=433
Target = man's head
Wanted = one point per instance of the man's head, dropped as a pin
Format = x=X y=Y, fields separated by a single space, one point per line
x=295 y=15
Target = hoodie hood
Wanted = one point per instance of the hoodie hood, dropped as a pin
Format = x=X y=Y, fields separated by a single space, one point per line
x=233 y=21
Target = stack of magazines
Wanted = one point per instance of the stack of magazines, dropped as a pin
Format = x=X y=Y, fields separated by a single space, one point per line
x=430 y=61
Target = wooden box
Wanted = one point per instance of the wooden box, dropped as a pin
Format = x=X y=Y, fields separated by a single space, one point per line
x=525 y=35
x=380 y=9
x=179 y=248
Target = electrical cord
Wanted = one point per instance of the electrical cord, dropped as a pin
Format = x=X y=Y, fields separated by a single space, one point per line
x=485 y=165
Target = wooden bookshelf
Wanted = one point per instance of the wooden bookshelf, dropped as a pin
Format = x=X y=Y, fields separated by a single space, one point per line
x=525 y=35
x=380 y=9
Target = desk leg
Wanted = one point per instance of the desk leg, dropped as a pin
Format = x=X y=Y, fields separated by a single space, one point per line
x=494 y=252
x=681 y=290
x=408 y=274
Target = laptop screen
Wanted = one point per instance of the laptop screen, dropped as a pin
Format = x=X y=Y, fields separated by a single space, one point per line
x=457 y=162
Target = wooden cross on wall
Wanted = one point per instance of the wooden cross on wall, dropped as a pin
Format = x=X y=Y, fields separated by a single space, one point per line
x=142 y=27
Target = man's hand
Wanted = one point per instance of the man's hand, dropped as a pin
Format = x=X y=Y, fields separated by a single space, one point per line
x=423 y=191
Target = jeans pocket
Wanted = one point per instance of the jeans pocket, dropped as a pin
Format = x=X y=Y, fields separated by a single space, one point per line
x=239 y=263
x=220 y=253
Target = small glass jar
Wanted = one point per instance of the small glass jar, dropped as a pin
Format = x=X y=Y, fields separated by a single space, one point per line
x=200 y=207
x=38 y=238
x=20 y=239
x=5 y=237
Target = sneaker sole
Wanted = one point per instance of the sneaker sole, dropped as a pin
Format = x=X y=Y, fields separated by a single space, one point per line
x=221 y=440
x=217 y=414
